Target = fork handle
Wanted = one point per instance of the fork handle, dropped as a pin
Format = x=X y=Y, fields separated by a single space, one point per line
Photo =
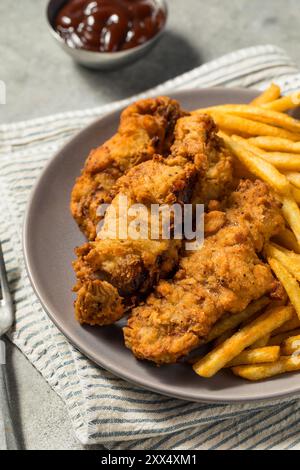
x=7 y=437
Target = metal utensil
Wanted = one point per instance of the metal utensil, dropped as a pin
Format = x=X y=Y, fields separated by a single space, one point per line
x=102 y=60
x=7 y=436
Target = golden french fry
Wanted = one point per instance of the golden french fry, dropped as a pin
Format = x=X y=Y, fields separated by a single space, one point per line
x=256 y=356
x=285 y=161
x=289 y=260
x=227 y=334
x=275 y=144
x=291 y=213
x=288 y=281
x=284 y=249
x=272 y=93
x=291 y=325
x=254 y=317
x=233 y=321
x=256 y=165
x=288 y=240
x=290 y=346
x=278 y=339
x=239 y=125
x=263 y=371
x=296 y=194
x=259 y=354
x=257 y=114
x=294 y=178
x=232 y=347
x=261 y=343
x=284 y=104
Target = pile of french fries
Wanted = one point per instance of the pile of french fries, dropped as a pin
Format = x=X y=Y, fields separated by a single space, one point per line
x=263 y=340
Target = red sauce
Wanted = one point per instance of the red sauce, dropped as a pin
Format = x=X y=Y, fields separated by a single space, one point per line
x=109 y=25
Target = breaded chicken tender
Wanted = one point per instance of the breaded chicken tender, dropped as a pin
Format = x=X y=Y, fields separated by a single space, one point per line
x=222 y=277
x=111 y=272
x=146 y=128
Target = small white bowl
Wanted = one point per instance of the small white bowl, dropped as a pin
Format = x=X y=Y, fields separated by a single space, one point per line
x=102 y=60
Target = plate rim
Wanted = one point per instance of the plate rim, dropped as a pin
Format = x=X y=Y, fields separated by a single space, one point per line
x=163 y=389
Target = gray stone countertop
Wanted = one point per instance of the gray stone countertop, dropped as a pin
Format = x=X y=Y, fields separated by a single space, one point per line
x=42 y=80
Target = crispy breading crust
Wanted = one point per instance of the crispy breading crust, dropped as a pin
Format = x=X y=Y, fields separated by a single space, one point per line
x=146 y=128
x=224 y=276
x=134 y=266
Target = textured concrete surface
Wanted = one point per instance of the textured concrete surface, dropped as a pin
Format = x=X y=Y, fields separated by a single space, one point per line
x=39 y=416
x=42 y=80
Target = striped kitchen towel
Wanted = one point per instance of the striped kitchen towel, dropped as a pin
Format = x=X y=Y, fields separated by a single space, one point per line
x=102 y=407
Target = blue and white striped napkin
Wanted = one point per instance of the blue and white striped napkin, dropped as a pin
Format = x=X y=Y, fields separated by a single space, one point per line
x=103 y=408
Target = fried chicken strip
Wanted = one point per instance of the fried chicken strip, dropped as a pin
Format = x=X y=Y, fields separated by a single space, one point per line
x=146 y=128
x=224 y=276
x=112 y=271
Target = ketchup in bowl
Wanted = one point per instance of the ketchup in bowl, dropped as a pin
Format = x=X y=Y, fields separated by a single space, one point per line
x=109 y=25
